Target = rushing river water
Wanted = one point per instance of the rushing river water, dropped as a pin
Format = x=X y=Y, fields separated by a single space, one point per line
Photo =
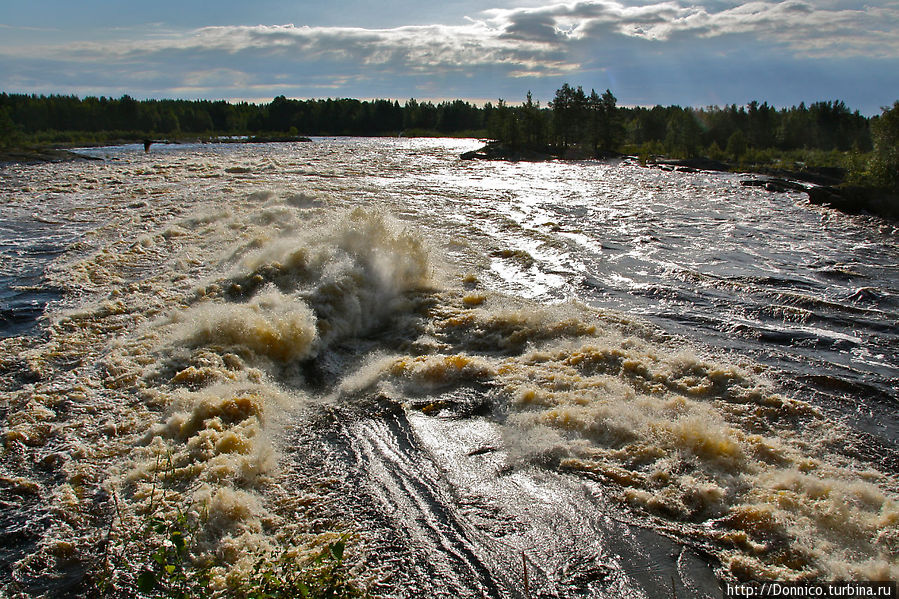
x=629 y=382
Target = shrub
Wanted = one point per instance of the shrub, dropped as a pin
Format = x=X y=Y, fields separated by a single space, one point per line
x=884 y=167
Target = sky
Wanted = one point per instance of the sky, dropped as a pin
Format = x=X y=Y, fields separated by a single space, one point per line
x=647 y=52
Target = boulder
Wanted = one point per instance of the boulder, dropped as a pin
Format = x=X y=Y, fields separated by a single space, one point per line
x=774 y=184
x=498 y=151
x=696 y=164
x=854 y=199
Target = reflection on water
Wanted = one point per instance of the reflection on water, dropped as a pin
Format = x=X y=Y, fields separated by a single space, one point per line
x=627 y=379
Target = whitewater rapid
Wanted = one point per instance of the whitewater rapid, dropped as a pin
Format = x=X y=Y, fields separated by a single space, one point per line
x=625 y=380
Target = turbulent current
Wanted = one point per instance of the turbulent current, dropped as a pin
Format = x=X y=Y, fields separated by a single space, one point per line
x=558 y=379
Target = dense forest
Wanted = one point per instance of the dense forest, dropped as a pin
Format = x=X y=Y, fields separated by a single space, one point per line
x=573 y=118
x=573 y=124
x=595 y=122
x=61 y=118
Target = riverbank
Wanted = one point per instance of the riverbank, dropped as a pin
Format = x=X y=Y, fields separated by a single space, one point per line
x=63 y=152
x=38 y=155
x=825 y=185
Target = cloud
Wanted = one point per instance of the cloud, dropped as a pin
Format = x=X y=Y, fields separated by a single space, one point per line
x=528 y=37
x=483 y=55
x=413 y=47
x=798 y=26
x=23 y=28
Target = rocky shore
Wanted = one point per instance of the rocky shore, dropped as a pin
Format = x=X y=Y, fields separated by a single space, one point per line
x=825 y=186
x=38 y=155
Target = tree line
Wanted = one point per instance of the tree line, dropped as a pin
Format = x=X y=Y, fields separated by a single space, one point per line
x=828 y=133
x=573 y=119
x=594 y=122
x=573 y=123
x=62 y=118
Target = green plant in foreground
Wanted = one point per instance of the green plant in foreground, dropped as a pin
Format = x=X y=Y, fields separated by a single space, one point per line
x=884 y=166
x=170 y=572
x=159 y=555
x=325 y=578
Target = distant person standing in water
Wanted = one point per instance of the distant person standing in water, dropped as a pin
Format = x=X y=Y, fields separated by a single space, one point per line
x=147 y=144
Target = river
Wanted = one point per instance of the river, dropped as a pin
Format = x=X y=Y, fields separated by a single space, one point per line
x=555 y=379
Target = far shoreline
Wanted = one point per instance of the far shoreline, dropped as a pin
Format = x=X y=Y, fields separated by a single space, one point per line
x=825 y=186
x=40 y=155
